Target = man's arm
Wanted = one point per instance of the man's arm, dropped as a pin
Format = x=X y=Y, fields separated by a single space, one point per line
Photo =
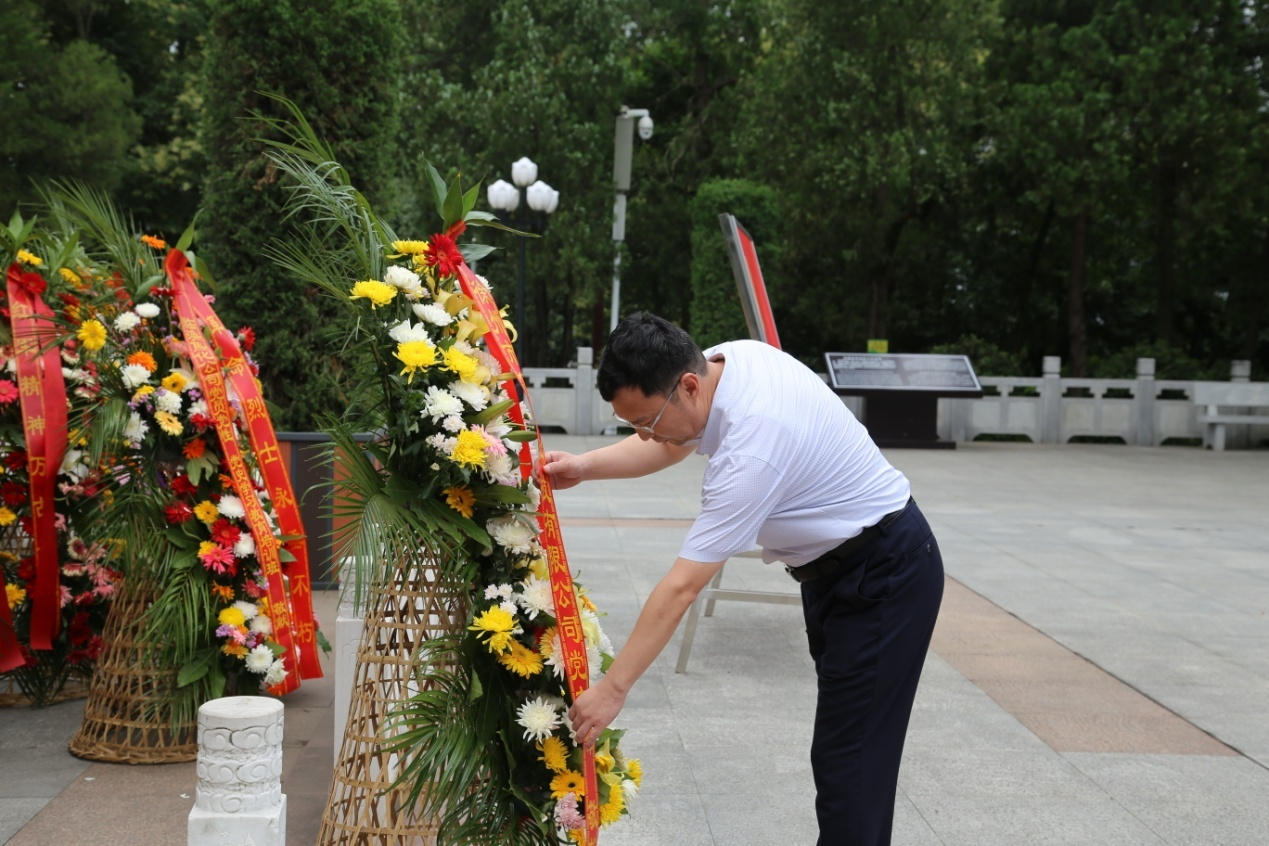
x=625 y=459
x=669 y=600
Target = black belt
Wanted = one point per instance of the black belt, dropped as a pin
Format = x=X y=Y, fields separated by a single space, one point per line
x=832 y=561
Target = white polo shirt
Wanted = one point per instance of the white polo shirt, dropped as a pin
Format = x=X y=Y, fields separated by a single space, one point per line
x=790 y=467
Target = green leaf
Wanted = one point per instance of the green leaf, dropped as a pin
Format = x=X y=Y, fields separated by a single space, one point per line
x=187 y=237
x=477 y=689
x=452 y=207
x=438 y=186
x=469 y=200
x=475 y=252
x=195 y=669
x=180 y=538
x=503 y=495
x=285 y=555
x=203 y=467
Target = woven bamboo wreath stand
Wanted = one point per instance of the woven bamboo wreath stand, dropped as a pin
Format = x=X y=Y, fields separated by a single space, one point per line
x=406 y=612
x=126 y=718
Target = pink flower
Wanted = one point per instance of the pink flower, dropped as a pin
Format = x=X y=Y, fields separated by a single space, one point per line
x=66 y=596
x=219 y=560
x=8 y=392
x=566 y=813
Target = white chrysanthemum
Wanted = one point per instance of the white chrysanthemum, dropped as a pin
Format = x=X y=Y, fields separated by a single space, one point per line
x=136 y=430
x=440 y=403
x=453 y=424
x=535 y=597
x=502 y=591
x=556 y=659
x=465 y=348
x=259 y=659
x=630 y=789
x=168 y=401
x=77 y=374
x=245 y=546
x=134 y=375
x=511 y=534
x=126 y=322
x=432 y=313
x=405 y=279
x=198 y=407
x=231 y=507
x=148 y=310
x=474 y=395
x=540 y=719
x=262 y=624
x=407 y=331
x=502 y=469
x=248 y=609
x=437 y=442
x=276 y=674
x=535 y=495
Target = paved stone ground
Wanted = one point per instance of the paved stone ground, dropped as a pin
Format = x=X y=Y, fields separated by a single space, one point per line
x=1100 y=673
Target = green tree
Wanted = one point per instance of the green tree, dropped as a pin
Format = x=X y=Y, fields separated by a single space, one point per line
x=340 y=68
x=66 y=109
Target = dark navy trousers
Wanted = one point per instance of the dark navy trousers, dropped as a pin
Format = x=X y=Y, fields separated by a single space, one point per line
x=869 y=626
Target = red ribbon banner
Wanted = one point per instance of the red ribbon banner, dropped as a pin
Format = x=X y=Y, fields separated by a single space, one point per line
x=43 y=396
x=195 y=313
x=567 y=616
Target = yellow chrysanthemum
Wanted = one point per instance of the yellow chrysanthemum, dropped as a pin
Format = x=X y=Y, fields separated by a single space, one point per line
x=206 y=547
x=142 y=392
x=92 y=335
x=469 y=451
x=174 y=382
x=231 y=616
x=7 y=516
x=14 y=595
x=521 y=660
x=206 y=512
x=634 y=769
x=415 y=355
x=554 y=754
x=238 y=650
x=70 y=276
x=372 y=289
x=497 y=623
x=569 y=781
x=27 y=257
x=168 y=422
x=460 y=498
x=611 y=811
x=223 y=592
x=462 y=364
x=410 y=248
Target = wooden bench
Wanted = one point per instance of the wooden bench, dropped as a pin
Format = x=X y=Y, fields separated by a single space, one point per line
x=1210 y=397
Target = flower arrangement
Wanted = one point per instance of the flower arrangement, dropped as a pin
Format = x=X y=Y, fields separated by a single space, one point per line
x=86 y=574
x=486 y=742
x=174 y=504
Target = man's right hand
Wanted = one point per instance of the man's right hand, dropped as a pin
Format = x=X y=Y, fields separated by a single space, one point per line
x=564 y=468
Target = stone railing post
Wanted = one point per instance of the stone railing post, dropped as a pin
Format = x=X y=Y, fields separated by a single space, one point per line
x=239 y=799
x=1240 y=370
x=350 y=619
x=1238 y=437
x=584 y=392
x=1145 y=394
x=1051 y=401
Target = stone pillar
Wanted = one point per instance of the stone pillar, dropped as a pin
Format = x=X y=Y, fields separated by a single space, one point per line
x=1239 y=437
x=349 y=621
x=1146 y=391
x=584 y=393
x=1051 y=401
x=239 y=799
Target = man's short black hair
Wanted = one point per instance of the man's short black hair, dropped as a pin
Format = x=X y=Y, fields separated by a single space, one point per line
x=649 y=353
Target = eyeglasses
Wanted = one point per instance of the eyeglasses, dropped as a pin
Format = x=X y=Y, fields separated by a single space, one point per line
x=638 y=427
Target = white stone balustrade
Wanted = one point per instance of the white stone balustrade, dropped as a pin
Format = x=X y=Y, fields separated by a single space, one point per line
x=238 y=800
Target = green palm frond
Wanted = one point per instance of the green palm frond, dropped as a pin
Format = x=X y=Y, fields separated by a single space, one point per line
x=76 y=206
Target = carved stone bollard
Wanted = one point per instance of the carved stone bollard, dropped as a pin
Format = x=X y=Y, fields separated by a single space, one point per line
x=239 y=799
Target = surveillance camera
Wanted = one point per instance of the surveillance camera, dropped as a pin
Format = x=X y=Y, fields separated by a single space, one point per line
x=645 y=127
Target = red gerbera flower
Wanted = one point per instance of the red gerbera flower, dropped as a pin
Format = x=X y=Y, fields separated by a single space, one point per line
x=444 y=255
x=194 y=448
x=16 y=460
x=220 y=560
x=8 y=392
x=34 y=283
x=201 y=422
x=177 y=513
x=181 y=485
x=247 y=337
x=224 y=532
x=13 y=494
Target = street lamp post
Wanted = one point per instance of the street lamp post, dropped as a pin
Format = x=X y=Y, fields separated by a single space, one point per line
x=539 y=197
x=623 y=153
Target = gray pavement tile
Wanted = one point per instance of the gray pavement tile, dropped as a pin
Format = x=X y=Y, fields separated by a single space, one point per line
x=992 y=774
x=747 y=818
x=1035 y=821
x=1194 y=779
x=16 y=813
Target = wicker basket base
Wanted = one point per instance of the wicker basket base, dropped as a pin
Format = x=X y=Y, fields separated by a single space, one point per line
x=363 y=810
x=127 y=719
